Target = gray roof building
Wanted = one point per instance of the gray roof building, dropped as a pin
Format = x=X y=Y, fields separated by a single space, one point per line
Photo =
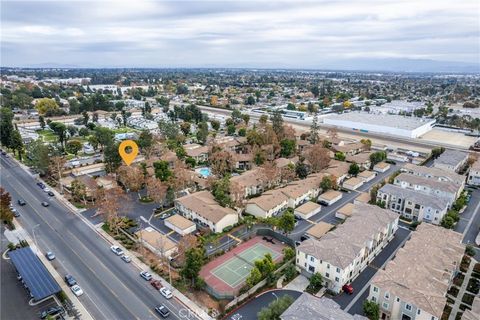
x=452 y=159
x=415 y=196
x=310 y=307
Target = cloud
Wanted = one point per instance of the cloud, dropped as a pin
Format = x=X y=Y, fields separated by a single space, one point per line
x=236 y=33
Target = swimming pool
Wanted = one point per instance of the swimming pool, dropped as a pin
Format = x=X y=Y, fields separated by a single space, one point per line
x=204 y=172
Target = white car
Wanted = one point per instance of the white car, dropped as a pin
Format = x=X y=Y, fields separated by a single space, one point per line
x=145 y=275
x=166 y=293
x=126 y=258
x=77 y=290
x=46 y=190
x=116 y=250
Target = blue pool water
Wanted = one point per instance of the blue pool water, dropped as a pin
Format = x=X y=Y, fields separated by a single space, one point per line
x=205 y=172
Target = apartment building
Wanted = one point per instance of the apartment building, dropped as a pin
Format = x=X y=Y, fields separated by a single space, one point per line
x=474 y=174
x=269 y=204
x=435 y=173
x=202 y=208
x=343 y=253
x=252 y=182
x=413 y=286
x=453 y=160
x=442 y=189
x=412 y=204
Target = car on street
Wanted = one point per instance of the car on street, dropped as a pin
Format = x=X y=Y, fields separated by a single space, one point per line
x=51 y=194
x=126 y=258
x=41 y=184
x=116 y=250
x=53 y=311
x=304 y=237
x=76 y=290
x=156 y=284
x=162 y=310
x=4 y=153
x=21 y=202
x=50 y=256
x=46 y=190
x=347 y=288
x=166 y=293
x=70 y=280
x=145 y=275
x=45 y=204
x=15 y=212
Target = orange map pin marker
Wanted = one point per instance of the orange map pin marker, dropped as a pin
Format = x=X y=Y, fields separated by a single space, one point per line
x=128 y=157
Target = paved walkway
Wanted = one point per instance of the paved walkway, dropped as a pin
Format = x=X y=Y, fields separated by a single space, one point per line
x=462 y=290
x=300 y=283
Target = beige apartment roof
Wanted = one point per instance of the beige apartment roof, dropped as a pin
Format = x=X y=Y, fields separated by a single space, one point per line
x=320 y=229
x=347 y=209
x=269 y=200
x=308 y=207
x=353 y=181
x=363 y=197
x=203 y=204
x=194 y=150
x=382 y=165
x=297 y=189
x=180 y=222
x=421 y=271
x=348 y=147
x=475 y=165
x=362 y=157
x=283 y=162
x=435 y=173
x=366 y=174
x=156 y=239
x=341 y=246
x=432 y=183
x=337 y=168
x=252 y=177
x=330 y=195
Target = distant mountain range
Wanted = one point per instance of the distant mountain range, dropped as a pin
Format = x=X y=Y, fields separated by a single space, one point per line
x=360 y=64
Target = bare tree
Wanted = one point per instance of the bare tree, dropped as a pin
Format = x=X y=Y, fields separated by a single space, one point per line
x=186 y=243
x=318 y=157
x=221 y=162
x=109 y=205
x=55 y=168
x=131 y=177
x=271 y=173
x=156 y=190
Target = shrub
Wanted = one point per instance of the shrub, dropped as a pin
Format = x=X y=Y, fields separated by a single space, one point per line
x=470 y=251
x=468 y=298
x=371 y=310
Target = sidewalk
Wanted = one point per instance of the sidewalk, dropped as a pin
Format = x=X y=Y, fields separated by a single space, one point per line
x=84 y=314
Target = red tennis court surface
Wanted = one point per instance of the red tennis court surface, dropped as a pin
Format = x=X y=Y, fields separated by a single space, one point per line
x=226 y=275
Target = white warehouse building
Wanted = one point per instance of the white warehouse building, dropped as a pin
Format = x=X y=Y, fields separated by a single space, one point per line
x=401 y=126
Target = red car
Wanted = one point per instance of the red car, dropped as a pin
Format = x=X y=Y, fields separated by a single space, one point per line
x=347 y=288
x=156 y=284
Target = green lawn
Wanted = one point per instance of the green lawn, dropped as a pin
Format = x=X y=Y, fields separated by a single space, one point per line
x=47 y=135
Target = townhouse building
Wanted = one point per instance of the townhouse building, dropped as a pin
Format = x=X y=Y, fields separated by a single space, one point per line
x=414 y=285
x=453 y=160
x=442 y=189
x=269 y=204
x=436 y=174
x=474 y=174
x=412 y=204
x=340 y=255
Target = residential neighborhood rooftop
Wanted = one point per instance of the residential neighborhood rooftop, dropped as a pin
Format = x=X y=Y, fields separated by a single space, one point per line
x=416 y=196
x=205 y=205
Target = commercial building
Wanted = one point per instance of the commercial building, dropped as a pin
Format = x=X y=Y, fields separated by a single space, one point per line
x=451 y=160
x=412 y=204
x=202 y=208
x=414 y=284
x=408 y=127
x=474 y=174
x=311 y=307
x=343 y=253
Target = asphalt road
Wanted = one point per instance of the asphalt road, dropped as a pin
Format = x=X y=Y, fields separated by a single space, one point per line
x=469 y=223
x=113 y=289
x=250 y=309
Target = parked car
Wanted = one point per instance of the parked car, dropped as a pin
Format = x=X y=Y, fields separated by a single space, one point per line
x=53 y=311
x=15 y=212
x=116 y=250
x=46 y=189
x=166 y=293
x=45 y=204
x=347 y=288
x=145 y=275
x=304 y=237
x=70 y=280
x=51 y=194
x=127 y=259
x=162 y=310
x=21 y=202
x=156 y=284
x=50 y=256
x=41 y=184
x=76 y=290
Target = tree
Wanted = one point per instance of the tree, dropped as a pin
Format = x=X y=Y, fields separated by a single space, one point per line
x=236 y=116
x=221 y=161
x=215 y=124
x=72 y=130
x=318 y=157
x=73 y=146
x=277 y=123
x=288 y=253
x=156 y=190
x=162 y=170
x=168 y=130
x=246 y=118
x=56 y=167
x=275 y=308
x=340 y=156
x=287 y=147
x=79 y=191
x=301 y=170
x=254 y=277
x=354 y=169
x=109 y=204
x=46 y=105
x=130 y=177
x=85 y=117
x=41 y=120
x=6 y=126
x=315 y=284
x=145 y=140
x=231 y=130
x=436 y=152
x=314 y=137
x=195 y=258
x=221 y=191
x=250 y=100
x=202 y=132
x=38 y=156
x=190 y=162
x=6 y=213
x=60 y=131
x=367 y=144
x=17 y=143
x=286 y=222
x=104 y=136
x=112 y=158
x=377 y=157
x=327 y=183
x=185 y=128
x=263 y=119
x=371 y=310
x=186 y=243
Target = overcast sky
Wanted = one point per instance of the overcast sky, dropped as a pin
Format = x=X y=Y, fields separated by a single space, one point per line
x=139 y=33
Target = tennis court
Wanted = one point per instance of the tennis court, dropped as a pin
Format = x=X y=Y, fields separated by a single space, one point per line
x=235 y=270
